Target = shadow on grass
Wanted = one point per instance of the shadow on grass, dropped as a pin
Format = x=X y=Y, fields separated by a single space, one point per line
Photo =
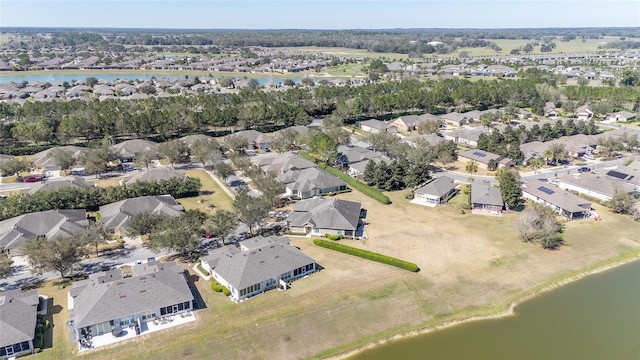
x=198 y=300
x=52 y=309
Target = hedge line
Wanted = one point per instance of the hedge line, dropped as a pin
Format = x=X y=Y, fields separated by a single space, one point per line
x=353 y=183
x=367 y=254
x=215 y=286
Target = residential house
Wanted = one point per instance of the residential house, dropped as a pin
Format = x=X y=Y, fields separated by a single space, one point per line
x=278 y=164
x=255 y=139
x=584 y=112
x=212 y=259
x=52 y=185
x=627 y=174
x=356 y=170
x=128 y=150
x=621 y=116
x=410 y=122
x=189 y=140
x=376 y=126
x=115 y=217
x=485 y=159
x=311 y=182
x=561 y=201
x=459 y=119
x=298 y=129
x=159 y=174
x=436 y=192
x=49 y=224
x=595 y=186
x=321 y=216
x=44 y=161
x=486 y=197
x=550 y=110
x=18 y=320
x=431 y=139
x=464 y=136
x=267 y=265
x=109 y=300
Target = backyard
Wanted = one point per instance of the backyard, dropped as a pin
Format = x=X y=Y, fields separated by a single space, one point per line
x=470 y=265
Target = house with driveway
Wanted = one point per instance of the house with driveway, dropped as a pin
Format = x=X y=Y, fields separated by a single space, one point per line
x=319 y=216
x=128 y=150
x=18 y=320
x=561 y=201
x=486 y=197
x=268 y=264
x=376 y=126
x=254 y=139
x=115 y=217
x=311 y=182
x=485 y=159
x=45 y=161
x=278 y=164
x=596 y=186
x=621 y=116
x=436 y=192
x=408 y=123
x=50 y=224
x=112 y=300
x=53 y=185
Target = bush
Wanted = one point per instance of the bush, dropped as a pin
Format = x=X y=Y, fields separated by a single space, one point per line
x=334 y=237
x=215 y=286
x=225 y=291
x=353 y=183
x=367 y=255
x=297 y=233
x=202 y=270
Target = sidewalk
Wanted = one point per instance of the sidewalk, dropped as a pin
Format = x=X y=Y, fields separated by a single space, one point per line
x=222 y=185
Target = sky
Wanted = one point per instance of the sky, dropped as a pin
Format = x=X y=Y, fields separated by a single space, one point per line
x=319 y=14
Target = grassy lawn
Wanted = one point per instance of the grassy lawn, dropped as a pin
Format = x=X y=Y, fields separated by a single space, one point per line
x=110 y=182
x=212 y=194
x=356 y=53
x=345 y=70
x=470 y=265
x=9 y=179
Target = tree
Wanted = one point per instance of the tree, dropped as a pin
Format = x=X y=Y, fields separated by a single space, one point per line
x=324 y=147
x=471 y=167
x=60 y=254
x=93 y=235
x=91 y=81
x=223 y=170
x=539 y=223
x=222 y=223
x=286 y=140
x=144 y=158
x=248 y=209
x=206 y=151
x=536 y=164
x=236 y=143
x=510 y=189
x=144 y=223
x=621 y=202
x=64 y=158
x=555 y=152
x=5 y=265
x=14 y=166
x=175 y=151
x=182 y=234
x=97 y=160
x=429 y=127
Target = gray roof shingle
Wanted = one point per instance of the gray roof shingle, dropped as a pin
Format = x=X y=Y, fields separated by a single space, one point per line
x=483 y=193
x=556 y=196
x=326 y=214
x=309 y=179
x=18 y=311
x=116 y=215
x=438 y=187
x=154 y=175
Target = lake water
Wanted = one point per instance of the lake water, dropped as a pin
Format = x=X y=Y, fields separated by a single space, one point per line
x=597 y=318
x=53 y=76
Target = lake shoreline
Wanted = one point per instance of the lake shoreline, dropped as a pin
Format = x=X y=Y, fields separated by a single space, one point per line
x=509 y=311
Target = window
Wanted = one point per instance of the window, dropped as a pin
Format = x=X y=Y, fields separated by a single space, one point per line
x=25 y=345
x=340 y=232
x=316 y=230
x=180 y=307
x=3 y=351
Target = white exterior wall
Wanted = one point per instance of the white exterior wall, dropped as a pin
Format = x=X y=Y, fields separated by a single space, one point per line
x=581 y=190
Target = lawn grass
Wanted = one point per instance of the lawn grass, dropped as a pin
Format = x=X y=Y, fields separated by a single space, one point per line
x=356 y=53
x=211 y=194
x=9 y=179
x=109 y=182
x=470 y=265
x=345 y=70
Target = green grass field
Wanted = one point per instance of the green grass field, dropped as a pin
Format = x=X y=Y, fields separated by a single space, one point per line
x=356 y=53
x=212 y=198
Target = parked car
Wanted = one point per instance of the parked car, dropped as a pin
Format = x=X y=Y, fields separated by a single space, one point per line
x=265 y=148
x=584 y=169
x=32 y=178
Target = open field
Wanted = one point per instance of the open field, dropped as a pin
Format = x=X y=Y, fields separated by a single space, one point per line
x=212 y=195
x=345 y=70
x=109 y=182
x=470 y=265
x=356 y=53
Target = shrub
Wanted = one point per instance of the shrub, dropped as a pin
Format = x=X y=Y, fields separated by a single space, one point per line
x=353 y=183
x=334 y=237
x=367 y=255
x=225 y=291
x=202 y=270
x=296 y=233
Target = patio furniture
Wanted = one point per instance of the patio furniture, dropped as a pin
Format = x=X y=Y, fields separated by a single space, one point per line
x=117 y=331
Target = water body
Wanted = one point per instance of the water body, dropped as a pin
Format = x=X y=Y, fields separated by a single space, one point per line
x=53 y=76
x=597 y=318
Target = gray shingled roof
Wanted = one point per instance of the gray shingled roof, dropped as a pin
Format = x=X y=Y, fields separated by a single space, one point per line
x=600 y=184
x=130 y=148
x=51 y=224
x=479 y=155
x=189 y=140
x=95 y=302
x=51 y=185
x=154 y=175
x=483 y=193
x=18 y=311
x=438 y=187
x=375 y=124
x=414 y=120
x=309 y=179
x=280 y=163
x=260 y=241
x=326 y=214
x=116 y=215
x=558 y=197
x=252 y=136
x=44 y=159
x=214 y=256
x=255 y=266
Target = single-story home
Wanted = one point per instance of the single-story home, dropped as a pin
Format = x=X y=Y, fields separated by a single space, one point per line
x=49 y=224
x=128 y=150
x=189 y=140
x=621 y=116
x=159 y=174
x=254 y=139
x=459 y=119
x=109 y=300
x=596 y=186
x=255 y=270
x=212 y=259
x=550 y=110
x=278 y=164
x=356 y=169
x=376 y=126
x=52 y=185
x=627 y=174
x=44 y=160
x=484 y=196
x=437 y=191
x=321 y=216
x=584 y=112
x=311 y=182
x=485 y=159
x=18 y=319
x=563 y=202
x=410 y=122
x=115 y=217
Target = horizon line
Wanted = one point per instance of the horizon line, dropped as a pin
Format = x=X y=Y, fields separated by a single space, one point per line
x=313 y=29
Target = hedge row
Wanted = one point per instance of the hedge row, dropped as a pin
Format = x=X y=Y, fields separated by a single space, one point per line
x=215 y=286
x=353 y=183
x=334 y=237
x=367 y=255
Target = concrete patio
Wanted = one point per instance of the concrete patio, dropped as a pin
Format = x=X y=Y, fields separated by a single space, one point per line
x=147 y=327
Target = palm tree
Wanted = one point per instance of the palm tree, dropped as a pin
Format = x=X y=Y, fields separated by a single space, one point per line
x=536 y=164
x=471 y=168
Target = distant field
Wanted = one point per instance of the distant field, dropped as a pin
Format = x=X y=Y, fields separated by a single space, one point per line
x=345 y=70
x=339 y=51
